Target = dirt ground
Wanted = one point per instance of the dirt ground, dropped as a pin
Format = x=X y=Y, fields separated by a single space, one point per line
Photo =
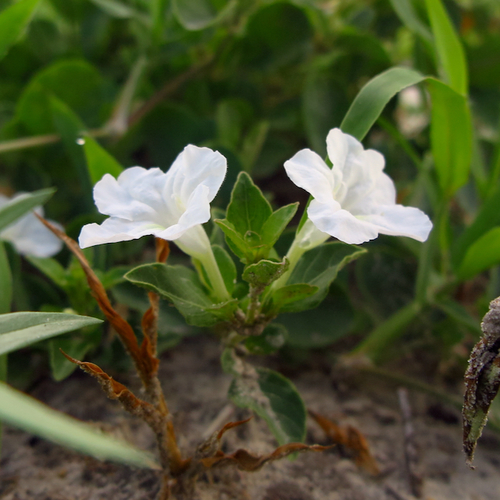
x=34 y=469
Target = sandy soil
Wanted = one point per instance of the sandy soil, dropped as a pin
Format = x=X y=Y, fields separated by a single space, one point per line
x=33 y=469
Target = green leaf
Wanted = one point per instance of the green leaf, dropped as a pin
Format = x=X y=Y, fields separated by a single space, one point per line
x=448 y=47
x=375 y=344
x=76 y=83
x=21 y=329
x=51 y=268
x=481 y=255
x=5 y=281
x=407 y=13
x=276 y=223
x=320 y=327
x=75 y=347
x=291 y=298
x=226 y=266
x=487 y=218
x=373 y=97
x=451 y=136
x=71 y=128
x=248 y=209
x=272 y=338
x=319 y=267
x=24 y=412
x=264 y=272
x=13 y=21
x=275 y=399
x=199 y=14
x=182 y=286
x=120 y=10
x=99 y=161
x=22 y=204
x=234 y=239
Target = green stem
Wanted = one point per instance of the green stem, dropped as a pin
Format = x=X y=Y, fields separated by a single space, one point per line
x=375 y=344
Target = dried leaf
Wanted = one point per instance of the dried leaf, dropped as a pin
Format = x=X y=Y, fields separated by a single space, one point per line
x=144 y=359
x=245 y=461
x=115 y=390
x=482 y=380
x=212 y=445
x=352 y=439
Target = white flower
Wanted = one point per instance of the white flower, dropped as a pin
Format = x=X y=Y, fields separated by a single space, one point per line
x=354 y=201
x=28 y=235
x=171 y=206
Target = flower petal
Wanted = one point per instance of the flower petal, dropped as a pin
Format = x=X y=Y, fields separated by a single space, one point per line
x=331 y=219
x=135 y=195
x=115 y=229
x=29 y=236
x=193 y=167
x=197 y=212
x=397 y=220
x=307 y=170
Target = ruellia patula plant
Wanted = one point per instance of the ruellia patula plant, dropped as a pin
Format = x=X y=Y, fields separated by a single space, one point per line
x=352 y=200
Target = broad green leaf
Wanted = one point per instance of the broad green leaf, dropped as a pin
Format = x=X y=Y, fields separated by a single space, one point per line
x=319 y=267
x=75 y=82
x=408 y=15
x=320 y=327
x=182 y=286
x=277 y=222
x=5 y=281
x=292 y=298
x=13 y=21
x=99 y=161
x=487 y=218
x=199 y=14
x=22 y=411
x=226 y=266
x=373 y=97
x=264 y=272
x=448 y=47
x=270 y=340
x=481 y=255
x=275 y=399
x=248 y=209
x=451 y=136
x=21 y=329
x=22 y=204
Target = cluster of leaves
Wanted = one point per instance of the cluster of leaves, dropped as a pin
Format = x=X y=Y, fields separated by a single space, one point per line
x=257 y=80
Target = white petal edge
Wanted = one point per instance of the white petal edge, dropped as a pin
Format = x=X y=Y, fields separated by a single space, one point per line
x=308 y=171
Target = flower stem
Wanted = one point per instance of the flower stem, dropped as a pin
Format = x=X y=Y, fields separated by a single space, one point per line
x=214 y=275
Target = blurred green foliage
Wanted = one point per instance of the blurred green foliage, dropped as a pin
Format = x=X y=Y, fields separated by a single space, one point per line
x=259 y=80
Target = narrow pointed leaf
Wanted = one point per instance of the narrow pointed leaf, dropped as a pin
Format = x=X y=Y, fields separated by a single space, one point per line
x=481 y=255
x=22 y=204
x=277 y=222
x=448 y=47
x=248 y=209
x=99 y=161
x=24 y=412
x=451 y=136
x=373 y=97
x=5 y=281
x=21 y=329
